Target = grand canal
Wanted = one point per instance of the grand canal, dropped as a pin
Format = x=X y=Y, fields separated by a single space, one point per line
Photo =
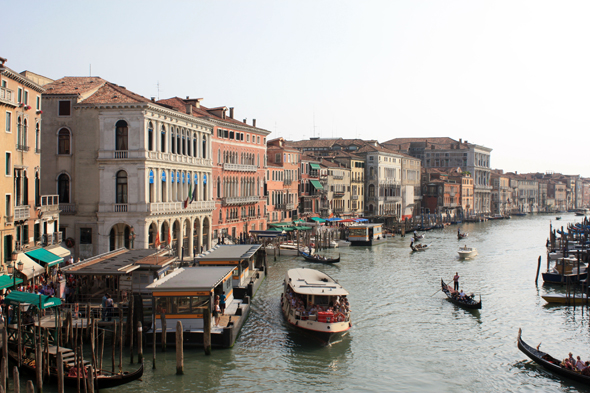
x=404 y=338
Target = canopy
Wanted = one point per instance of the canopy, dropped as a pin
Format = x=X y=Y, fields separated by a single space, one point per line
x=317 y=184
x=16 y=297
x=30 y=268
x=45 y=257
x=333 y=219
x=280 y=224
x=303 y=228
x=348 y=220
x=6 y=281
x=361 y=220
x=314 y=166
x=60 y=251
x=318 y=219
x=300 y=221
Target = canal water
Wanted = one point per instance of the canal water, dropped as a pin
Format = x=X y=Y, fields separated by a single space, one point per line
x=405 y=337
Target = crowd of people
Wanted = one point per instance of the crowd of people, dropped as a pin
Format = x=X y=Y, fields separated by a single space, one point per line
x=576 y=364
x=337 y=305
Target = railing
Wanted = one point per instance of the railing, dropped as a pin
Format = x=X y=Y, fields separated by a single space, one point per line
x=284 y=206
x=121 y=154
x=358 y=180
x=354 y=197
x=287 y=182
x=22 y=147
x=240 y=167
x=338 y=194
x=67 y=208
x=169 y=157
x=49 y=203
x=393 y=198
x=22 y=212
x=338 y=177
x=239 y=200
x=7 y=96
x=307 y=209
x=57 y=237
x=120 y=208
x=171 y=207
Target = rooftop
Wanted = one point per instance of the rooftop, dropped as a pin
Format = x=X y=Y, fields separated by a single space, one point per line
x=192 y=278
x=230 y=252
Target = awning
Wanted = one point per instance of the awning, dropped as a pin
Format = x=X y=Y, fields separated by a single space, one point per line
x=318 y=219
x=361 y=220
x=16 y=297
x=317 y=184
x=280 y=224
x=314 y=166
x=47 y=258
x=334 y=219
x=6 y=281
x=60 y=251
x=300 y=221
x=30 y=268
x=303 y=228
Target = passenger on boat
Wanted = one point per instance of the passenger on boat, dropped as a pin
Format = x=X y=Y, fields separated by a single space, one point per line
x=462 y=295
x=586 y=370
x=580 y=364
x=571 y=359
x=567 y=364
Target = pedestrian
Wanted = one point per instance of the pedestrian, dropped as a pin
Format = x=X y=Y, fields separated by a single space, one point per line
x=109 y=304
x=216 y=311
x=456 y=281
x=222 y=303
x=104 y=307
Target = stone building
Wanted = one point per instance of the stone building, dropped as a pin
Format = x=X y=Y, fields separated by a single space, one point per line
x=282 y=181
x=129 y=172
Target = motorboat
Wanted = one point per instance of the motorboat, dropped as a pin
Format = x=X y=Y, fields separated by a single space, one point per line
x=467 y=252
x=561 y=298
x=315 y=303
x=289 y=249
x=564 y=271
x=343 y=243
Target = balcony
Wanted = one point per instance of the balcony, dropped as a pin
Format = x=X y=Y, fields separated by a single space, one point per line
x=284 y=206
x=393 y=199
x=7 y=96
x=358 y=180
x=38 y=150
x=67 y=208
x=227 y=201
x=338 y=177
x=22 y=212
x=49 y=203
x=8 y=220
x=239 y=167
x=104 y=155
x=354 y=197
x=338 y=210
x=178 y=207
x=118 y=154
x=22 y=147
x=120 y=208
x=287 y=182
x=338 y=194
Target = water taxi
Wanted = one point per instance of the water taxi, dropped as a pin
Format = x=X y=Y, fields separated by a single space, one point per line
x=366 y=235
x=316 y=303
x=467 y=252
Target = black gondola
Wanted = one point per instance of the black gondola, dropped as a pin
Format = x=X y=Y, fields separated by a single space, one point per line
x=104 y=379
x=319 y=258
x=462 y=235
x=468 y=302
x=549 y=362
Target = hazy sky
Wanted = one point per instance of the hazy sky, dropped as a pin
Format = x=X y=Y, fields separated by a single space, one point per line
x=510 y=75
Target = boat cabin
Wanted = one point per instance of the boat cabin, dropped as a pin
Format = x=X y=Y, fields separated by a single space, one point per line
x=366 y=234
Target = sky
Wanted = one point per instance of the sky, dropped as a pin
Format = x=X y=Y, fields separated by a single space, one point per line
x=513 y=76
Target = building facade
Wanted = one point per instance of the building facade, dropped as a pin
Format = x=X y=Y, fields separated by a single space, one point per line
x=282 y=181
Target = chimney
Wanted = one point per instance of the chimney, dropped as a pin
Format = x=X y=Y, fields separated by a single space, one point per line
x=460 y=140
x=189 y=109
x=244 y=121
x=253 y=122
x=231 y=113
x=188 y=97
x=153 y=99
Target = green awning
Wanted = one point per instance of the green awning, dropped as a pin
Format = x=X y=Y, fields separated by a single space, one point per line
x=303 y=228
x=280 y=224
x=288 y=229
x=275 y=229
x=314 y=166
x=16 y=297
x=300 y=221
x=6 y=281
x=317 y=184
x=318 y=219
x=45 y=257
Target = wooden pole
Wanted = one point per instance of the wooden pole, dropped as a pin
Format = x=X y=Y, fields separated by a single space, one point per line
x=30 y=387
x=179 y=349
x=39 y=366
x=113 y=346
x=60 y=373
x=71 y=330
x=154 y=342
x=120 y=332
x=139 y=342
x=88 y=312
x=20 y=338
x=83 y=370
x=207 y=330
x=3 y=376
x=164 y=331
x=16 y=380
x=90 y=379
x=77 y=357
x=46 y=355
x=538 y=270
x=101 y=354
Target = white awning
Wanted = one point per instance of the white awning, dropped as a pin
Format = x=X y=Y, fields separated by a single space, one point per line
x=60 y=251
x=30 y=267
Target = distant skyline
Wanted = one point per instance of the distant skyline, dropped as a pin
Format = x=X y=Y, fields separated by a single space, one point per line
x=511 y=76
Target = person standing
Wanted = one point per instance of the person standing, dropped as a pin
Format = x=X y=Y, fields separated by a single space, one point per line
x=104 y=307
x=109 y=304
x=222 y=303
x=456 y=281
x=216 y=311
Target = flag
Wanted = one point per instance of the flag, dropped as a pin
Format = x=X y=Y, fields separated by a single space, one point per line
x=169 y=237
x=190 y=192
x=194 y=194
x=157 y=241
x=186 y=203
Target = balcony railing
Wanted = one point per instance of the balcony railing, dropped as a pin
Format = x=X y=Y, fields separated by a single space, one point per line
x=239 y=167
x=7 y=96
x=338 y=177
x=67 y=208
x=120 y=208
x=393 y=198
x=22 y=212
x=239 y=200
x=169 y=157
x=22 y=147
x=287 y=182
x=49 y=203
x=354 y=197
x=284 y=206
x=358 y=180
x=338 y=194
x=121 y=154
x=178 y=207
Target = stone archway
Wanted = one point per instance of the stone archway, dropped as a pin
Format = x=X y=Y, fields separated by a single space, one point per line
x=186 y=233
x=164 y=235
x=152 y=231
x=120 y=236
x=197 y=244
x=176 y=238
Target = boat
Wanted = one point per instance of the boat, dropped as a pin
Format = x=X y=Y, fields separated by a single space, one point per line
x=462 y=235
x=549 y=362
x=468 y=302
x=420 y=247
x=343 y=243
x=564 y=271
x=319 y=258
x=289 y=249
x=104 y=379
x=418 y=237
x=560 y=298
x=366 y=234
x=315 y=303
x=558 y=218
x=467 y=252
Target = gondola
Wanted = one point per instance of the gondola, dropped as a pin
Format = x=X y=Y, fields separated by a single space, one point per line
x=549 y=362
x=468 y=303
x=462 y=235
x=420 y=247
x=104 y=379
x=319 y=258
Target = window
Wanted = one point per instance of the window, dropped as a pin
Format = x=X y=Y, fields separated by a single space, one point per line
x=258 y=140
x=19 y=95
x=8 y=122
x=248 y=138
x=63 y=143
x=64 y=108
x=38 y=105
x=85 y=235
x=37 y=138
x=121 y=187
x=8 y=164
x=63 y=188
x=121 y=142
x=26 y=97
x=150 y=136
x=204 y=147
x=163 y=140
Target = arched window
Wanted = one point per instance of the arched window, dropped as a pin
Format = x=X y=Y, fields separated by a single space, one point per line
x=183 y=144
x=150 y=136
x=218 y=188
x=37 y=138
x=37 y=190
x=178 y=146
x=122 y=135
x=204 y=147
x=19 y=132
x=194 y=145
x=121 y=187
x=173 y=143
x=25 y=131
x=163 y=140
x=63 y=188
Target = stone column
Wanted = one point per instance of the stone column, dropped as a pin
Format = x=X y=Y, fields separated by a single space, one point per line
x=200 y=232
x=190 y=252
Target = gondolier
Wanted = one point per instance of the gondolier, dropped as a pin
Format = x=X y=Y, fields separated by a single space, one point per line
x=456 y=281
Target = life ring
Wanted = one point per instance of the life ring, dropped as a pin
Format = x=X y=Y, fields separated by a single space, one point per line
x=70 y=242
x=340 y=317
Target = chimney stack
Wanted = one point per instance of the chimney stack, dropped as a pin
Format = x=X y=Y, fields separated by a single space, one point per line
x=189 y=109
x=231 y=113
x=244 y=121
x=153 y=99
x=460 y=140
x=253 y=122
